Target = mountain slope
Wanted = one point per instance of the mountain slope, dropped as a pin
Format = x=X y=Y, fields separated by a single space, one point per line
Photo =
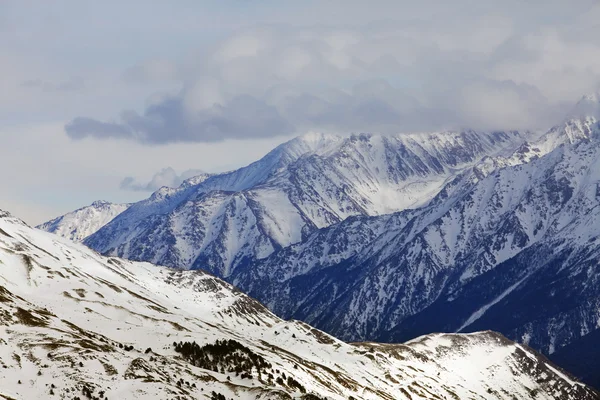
x=513 y=249
x=309 y=183
x=75 y=324
x=81 y=223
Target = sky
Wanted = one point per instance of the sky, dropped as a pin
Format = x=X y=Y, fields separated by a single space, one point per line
x=111 y=100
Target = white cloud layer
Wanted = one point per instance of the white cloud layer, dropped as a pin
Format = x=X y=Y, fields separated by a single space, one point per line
x=485 y=66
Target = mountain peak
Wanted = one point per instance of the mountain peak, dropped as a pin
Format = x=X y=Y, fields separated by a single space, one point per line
x=100 y=203
x=593 y=97
x=5 y=214
x=310 y=142
x=8 y=216
x=581 y=123
x=587 y=107
x=80 y=223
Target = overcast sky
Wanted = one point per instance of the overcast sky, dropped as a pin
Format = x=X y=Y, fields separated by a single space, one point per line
x=110 y=99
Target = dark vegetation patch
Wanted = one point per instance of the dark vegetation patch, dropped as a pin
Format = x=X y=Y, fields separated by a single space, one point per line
x=5 y=295
x=29 y=264
x=42 y=250
x=54 y=272
x=139 y=296
x=110 y=285
x=343 y=380
x=311 y=396
x=89 y=340
x=143 y=370
x=322 y=337
x=217 y=396
x=160 y=309
x=28 y=318
x=3 y=232
x=109 y=369
x=53 y=344
x=223 y=356
x=178 y=326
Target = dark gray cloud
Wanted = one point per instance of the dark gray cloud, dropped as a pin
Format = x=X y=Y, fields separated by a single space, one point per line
x=169 y=120
x=82 y=127
x=165 y=177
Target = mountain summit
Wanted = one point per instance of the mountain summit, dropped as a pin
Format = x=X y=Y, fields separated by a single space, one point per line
x=79 y=224
x=587 y=107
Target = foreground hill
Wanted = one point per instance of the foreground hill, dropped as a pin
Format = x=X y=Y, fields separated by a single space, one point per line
x=76 y=325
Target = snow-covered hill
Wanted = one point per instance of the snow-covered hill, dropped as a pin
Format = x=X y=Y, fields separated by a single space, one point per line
x=76 y=325
x=311 y=182
x=81 y=223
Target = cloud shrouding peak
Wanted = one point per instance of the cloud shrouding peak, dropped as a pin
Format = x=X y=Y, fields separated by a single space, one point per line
x=492 y=71
x=165 y=177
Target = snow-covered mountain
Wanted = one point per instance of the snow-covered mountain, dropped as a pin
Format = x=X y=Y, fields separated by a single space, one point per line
x=81 y=223
x=74 y=324
x=224 y=221
x=512 y=244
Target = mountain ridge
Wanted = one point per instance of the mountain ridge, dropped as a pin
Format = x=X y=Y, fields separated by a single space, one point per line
x=292 y=191
x=80 y=223
x=78 y=323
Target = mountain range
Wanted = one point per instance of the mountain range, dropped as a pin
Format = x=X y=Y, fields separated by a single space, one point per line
x=388 y=238
x=79 y=325
x=220 y=222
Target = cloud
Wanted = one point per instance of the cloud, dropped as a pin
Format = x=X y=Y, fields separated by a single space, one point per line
x=493 y=104
x=73 y=84
x=165 y=177
x=170 y=120
x=82 y=127
x=493 y=66
x=154 y=70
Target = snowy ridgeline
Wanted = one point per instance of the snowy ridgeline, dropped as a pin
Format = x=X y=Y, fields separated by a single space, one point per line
x=74 y=324
x=389 y=238
x=311 y=182
x=81 y=223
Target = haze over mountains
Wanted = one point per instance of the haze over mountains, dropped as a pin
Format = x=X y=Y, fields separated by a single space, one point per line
x=390 y=237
